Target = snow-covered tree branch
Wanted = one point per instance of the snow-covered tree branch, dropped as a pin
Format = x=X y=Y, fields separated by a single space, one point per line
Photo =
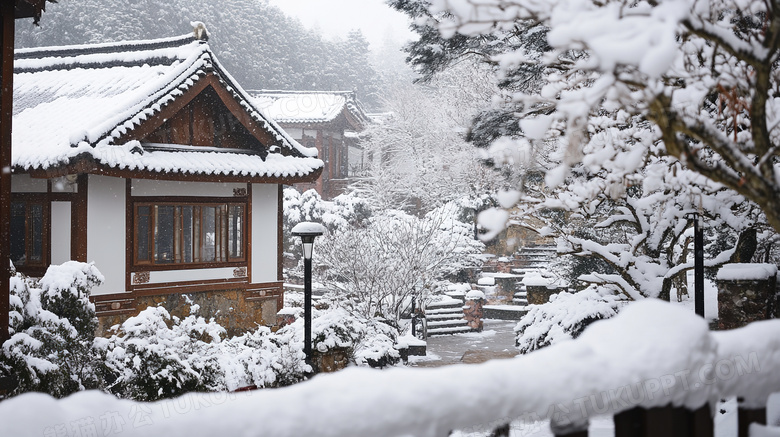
x=704 y=73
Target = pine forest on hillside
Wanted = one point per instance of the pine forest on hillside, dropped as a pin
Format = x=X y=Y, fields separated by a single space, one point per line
x=261 y=46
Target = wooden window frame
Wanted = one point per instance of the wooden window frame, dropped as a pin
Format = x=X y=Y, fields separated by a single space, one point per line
x=39 y=268
x=221 y=224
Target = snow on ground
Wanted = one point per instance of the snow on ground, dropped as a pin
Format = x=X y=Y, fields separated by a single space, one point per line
x=710 y=298
x=497 y=336
x=614 y=365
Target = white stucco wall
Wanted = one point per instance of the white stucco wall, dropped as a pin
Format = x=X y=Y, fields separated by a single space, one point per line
x=106 y=231
x=265 y=205
x=60 y=232
x=190 y=275
x=148 y=187
x=23 y=183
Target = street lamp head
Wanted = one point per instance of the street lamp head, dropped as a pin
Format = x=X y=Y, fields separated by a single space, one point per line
x=308 y=231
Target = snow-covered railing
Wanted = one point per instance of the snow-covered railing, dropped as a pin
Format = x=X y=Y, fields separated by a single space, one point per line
x=652 y=355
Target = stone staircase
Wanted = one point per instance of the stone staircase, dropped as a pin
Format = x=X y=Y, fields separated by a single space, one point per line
x=527 y=260
x=446 y=317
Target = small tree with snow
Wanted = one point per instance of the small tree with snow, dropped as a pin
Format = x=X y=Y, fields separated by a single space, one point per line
x=53 y=329
x=375 y=271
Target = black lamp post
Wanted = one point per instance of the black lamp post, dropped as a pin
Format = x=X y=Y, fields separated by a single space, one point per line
x=698 y=263
x=308 y=231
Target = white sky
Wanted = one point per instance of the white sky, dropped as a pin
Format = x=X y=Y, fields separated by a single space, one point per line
x=338 y=17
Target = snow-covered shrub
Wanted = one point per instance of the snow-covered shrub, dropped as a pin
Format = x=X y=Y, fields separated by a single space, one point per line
x=377 y=346
x=52 y=326
x=563 y=318
x=368 y=342
x=156 y=356
x=263 y=359
x=153 y=360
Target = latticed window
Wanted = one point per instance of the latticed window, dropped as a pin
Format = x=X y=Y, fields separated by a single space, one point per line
x=196 y=233
x=29 y=235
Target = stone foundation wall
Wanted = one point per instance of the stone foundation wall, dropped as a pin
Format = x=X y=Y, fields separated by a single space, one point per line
x=742 y=301
x=330 y=361
x=540 y=294
x=236 y=310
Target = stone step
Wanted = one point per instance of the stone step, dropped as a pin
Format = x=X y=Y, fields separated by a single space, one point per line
x=446 y=323
x=447 y=331
x=520 y=301
x=452 y=310
x=446 y=316
x=445 y=304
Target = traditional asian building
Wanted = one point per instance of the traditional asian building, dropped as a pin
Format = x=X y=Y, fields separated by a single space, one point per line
x=146 y=158
x=327 y=121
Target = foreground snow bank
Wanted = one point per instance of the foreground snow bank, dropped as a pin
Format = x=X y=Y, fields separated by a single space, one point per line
x=650 y=354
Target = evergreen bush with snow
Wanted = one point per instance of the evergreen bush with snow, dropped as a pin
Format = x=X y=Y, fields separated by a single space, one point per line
x=266 y=359
x=154 y=355
x=154 y=361
x=368 y=342
x=52 y=326
x=563 y=318
x=157 y=356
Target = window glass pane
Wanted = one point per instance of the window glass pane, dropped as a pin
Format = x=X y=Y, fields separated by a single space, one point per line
x=177 y=235
x=163 y=234
x=235 y=234
x=142 y=233
x=36 y=232
x=18 y=234
x=181 y=234
x=196 y=235
x=186 y=218
x=222 y=233
x=209 y=232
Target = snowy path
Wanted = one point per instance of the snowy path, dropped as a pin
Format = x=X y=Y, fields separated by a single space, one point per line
x=496 y=340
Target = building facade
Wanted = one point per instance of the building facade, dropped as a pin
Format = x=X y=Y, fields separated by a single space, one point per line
x=146 y=158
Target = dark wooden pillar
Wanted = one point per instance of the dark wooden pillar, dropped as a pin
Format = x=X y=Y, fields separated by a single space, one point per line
x=6 y=114
x=664 y=422
x=78 y=220
x=745 y=417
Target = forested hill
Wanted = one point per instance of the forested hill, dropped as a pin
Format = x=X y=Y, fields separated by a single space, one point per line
x=259 y=45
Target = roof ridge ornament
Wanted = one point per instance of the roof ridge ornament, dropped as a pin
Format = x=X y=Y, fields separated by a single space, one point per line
x=199 y=31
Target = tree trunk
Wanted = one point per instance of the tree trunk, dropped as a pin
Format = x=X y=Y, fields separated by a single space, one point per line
x=746 y=246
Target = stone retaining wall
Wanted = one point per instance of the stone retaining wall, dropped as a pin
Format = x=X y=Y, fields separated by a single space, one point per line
x=746 y=293
x=236 y=310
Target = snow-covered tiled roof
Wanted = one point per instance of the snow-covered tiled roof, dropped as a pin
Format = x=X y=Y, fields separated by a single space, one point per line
x=79 y=101
x=133 y=156
x=309 y=106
